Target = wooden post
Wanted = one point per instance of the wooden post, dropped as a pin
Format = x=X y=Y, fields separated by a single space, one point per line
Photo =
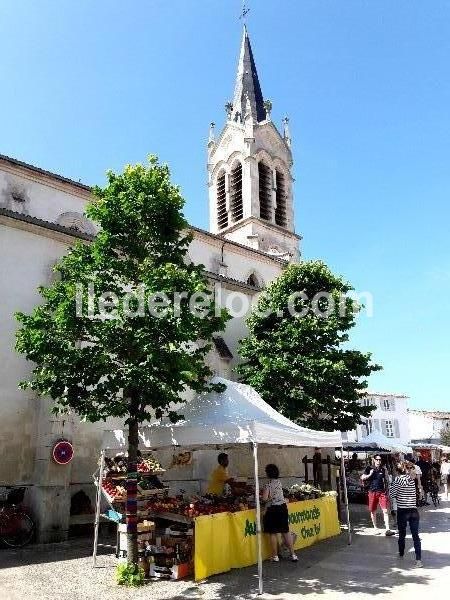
x=329 y=471
x=305 y=462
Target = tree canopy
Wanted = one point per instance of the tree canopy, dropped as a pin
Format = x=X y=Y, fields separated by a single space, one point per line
x=125 y=327
x=94 y=363
x=296 y=354
x=444 y=435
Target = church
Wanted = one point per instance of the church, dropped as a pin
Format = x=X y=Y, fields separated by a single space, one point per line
x=251 y=238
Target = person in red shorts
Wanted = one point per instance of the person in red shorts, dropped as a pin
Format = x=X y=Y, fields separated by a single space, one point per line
x=377 y=479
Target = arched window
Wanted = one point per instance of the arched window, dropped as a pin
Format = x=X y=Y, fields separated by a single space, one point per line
x=280 y=210
x=265 y=191
x=76 y=221
x=222 y=215
x=236 y=206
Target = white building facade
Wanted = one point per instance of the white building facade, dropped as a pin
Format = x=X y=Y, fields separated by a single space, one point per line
x=251 y=240
x=389 y=417
x=426 y=425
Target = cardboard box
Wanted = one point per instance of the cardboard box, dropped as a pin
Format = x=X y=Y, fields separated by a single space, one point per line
x=143 y=527
x=175 y=572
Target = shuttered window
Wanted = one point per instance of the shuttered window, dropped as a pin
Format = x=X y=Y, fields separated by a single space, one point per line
x=265 y=191
x=222 y=215
x=388 y=404
x=387 y=428
x=368 y=401
x=280 y=210
x=236 y=206
x=368 y=427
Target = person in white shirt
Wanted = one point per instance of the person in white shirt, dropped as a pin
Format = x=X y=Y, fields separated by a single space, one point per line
x=418 y=478
x=445 y=475
x=276 y=517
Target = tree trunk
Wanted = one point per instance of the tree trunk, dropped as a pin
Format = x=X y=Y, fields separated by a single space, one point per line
x=131 y=506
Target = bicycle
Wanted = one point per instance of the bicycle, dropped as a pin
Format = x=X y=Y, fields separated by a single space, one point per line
x=16 y=526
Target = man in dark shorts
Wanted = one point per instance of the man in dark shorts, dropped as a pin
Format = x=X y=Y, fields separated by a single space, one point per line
x=376 y=478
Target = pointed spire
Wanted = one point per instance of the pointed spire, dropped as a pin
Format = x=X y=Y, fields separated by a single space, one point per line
x=286 y=132
x=212 y=135
x=247 y=85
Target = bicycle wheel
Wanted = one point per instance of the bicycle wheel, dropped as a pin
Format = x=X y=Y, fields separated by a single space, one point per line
x=17 y=529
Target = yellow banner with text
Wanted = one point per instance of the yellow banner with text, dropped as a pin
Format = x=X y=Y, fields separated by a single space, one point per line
x=228 y=540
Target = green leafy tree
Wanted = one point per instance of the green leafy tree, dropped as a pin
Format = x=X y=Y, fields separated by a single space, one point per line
x=125 y=360
x=296 y=354
x=445 y=436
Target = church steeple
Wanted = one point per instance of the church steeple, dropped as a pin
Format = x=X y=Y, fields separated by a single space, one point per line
x=249 y=170
x=247 y=85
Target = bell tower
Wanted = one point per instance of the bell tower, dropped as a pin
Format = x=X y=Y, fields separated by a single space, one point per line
x=249 y=170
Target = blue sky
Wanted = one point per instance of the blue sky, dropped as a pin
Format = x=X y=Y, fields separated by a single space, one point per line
x=88 y=86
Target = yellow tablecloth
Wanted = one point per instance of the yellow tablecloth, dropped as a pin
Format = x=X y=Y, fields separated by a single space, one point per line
x=228 y=540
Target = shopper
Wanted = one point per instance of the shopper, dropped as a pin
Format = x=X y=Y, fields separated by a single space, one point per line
x=317 y=468
x=376 y=478
x=219 y=477
x=276 y=517
x=403 y=490
x=425 y=467
x=445 y=475
x=353 y=463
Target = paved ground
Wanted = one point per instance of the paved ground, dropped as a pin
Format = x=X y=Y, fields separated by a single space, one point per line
x=366 y=569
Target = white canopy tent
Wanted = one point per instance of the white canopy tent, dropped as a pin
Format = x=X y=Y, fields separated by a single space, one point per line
x=238 y=415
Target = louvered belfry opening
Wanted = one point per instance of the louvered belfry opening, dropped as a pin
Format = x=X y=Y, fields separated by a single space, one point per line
x=265 y=191
x=280 y=210
x=222 y=215
x=236 y=206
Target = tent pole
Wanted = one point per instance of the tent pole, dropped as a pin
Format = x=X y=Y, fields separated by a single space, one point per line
x=344 y=480
x=97 y=505
x=258 y=519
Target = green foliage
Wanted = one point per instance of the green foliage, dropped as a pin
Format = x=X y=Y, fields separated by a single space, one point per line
x=130 y=575
x=300 y=364
x=445 y=436
x=129 y=367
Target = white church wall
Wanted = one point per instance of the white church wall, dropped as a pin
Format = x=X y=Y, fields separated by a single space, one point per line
x=40 y=199
x=237 y=262
x=25 y=264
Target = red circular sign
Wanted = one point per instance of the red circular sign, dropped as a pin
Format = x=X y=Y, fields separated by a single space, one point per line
x=62 y=452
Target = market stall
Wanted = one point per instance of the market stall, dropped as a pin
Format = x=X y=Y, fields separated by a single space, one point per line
x=234 y=417
x=385 y=443
x=429 y=451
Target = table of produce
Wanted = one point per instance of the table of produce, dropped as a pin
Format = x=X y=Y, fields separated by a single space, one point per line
x=177 y=535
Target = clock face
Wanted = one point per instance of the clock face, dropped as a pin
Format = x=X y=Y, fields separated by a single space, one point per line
x=62 y=452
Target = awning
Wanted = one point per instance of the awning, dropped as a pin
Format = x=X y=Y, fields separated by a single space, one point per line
x=385 y=443
x=236 y=416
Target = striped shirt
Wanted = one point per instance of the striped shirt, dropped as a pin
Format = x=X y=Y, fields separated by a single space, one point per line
x=404 y=491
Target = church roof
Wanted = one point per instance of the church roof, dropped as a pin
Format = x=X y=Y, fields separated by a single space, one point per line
x=247 y=85
x=19 y=163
